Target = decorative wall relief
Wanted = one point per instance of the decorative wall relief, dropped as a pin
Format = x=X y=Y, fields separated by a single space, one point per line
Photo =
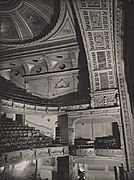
x=95 y=3
x=105 y=100
x=63 y=60
x=73 y=55
x=52 y=85
x=104 y=3
x=42 y=152
x=13 y=157
x=95 y=17
x=83 y=3
x=101 y=60
x=104 y=80
x=99 y=39
x=105 y=19
x=18 y=105
x=16 y=76
x=39 y=68
x=87 y=20
x=97 y=81
x=67 y=29
x=94 y=61
x=111 y=79
x=62 y=66
x=28 y=154
x=62 y=84
x=7 y=103
x=49 y=162
x=109 y=59
x=30 y=107
x=107 y=39
x=90 y=40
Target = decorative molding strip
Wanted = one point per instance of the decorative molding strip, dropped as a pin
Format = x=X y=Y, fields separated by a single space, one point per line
x=96 y=152
x=122 y=86
x=11 y=105
x=109 y=152
x=18 y=156
x=37 y=48
x=97 y=33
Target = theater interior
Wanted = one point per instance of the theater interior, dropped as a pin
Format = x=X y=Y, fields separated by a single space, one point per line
x=66 y=90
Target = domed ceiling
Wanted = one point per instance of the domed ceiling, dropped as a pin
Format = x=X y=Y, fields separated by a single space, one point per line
x=26 y=20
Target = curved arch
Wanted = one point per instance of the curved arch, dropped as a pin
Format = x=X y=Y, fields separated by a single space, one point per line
x=100 y=119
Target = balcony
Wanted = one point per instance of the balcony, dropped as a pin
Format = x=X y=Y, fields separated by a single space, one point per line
x=22 y=106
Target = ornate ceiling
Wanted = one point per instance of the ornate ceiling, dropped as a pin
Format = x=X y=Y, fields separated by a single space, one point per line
x=26 y=20
x=49 y=66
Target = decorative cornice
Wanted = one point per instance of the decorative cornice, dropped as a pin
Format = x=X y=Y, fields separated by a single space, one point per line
x=36 y=48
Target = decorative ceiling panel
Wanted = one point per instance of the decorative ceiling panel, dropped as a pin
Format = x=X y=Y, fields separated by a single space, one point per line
x=95 y=19
x=24 y=21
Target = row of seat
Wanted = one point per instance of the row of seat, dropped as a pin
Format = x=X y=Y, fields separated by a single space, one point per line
x=8 y=89
x=15 y=136
x=106 y=142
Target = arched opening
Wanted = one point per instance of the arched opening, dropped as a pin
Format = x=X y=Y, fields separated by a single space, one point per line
x=97 y=132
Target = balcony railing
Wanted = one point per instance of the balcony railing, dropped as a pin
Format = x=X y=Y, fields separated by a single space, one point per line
x=82 y=152
x=10 y=104
x=17 y=156
x=109 y=152
x=89 y=151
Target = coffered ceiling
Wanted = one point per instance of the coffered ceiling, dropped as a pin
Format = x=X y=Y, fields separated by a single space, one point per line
x=26 y=20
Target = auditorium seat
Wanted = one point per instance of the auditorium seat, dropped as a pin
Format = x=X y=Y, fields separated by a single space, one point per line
x=107 y=142
x=15 y=136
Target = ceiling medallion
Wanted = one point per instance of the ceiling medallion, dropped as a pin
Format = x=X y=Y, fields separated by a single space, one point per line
x=9 y=5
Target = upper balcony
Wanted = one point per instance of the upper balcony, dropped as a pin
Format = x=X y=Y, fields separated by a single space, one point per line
x=15 y=98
